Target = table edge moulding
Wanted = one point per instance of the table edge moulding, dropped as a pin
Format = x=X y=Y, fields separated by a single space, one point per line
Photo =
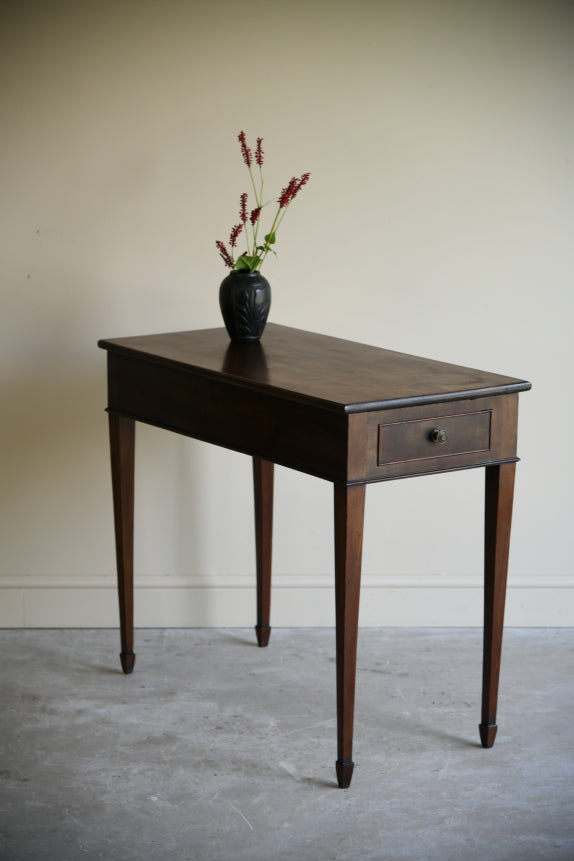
x=345 y=412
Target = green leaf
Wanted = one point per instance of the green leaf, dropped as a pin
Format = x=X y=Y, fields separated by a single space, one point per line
x=270 y=238
x=247 y=262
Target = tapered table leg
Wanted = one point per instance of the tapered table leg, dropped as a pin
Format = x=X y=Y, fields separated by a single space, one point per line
x=263 y=492
x=122 y=447
x=349 y=516
x=499 y=492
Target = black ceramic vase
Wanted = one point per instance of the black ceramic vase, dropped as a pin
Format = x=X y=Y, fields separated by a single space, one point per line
x=244 y=299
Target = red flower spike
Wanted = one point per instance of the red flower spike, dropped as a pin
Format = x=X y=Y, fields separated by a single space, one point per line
x=254 y=215
x=291 y=191
x=245 y=151
x=259 y=152
x=235 y=231
x=243 y=207
x=225 y=255
x=303 y=181
x=288 y=192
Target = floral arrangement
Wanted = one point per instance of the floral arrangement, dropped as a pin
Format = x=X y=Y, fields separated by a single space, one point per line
x=250 y=221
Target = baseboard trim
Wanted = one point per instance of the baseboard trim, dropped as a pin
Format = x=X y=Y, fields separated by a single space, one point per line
x=297 y=601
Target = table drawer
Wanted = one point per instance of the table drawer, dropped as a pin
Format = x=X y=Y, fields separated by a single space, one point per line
x=433 y=437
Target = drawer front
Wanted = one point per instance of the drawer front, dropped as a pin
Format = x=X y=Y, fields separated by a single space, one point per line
x=434 y=437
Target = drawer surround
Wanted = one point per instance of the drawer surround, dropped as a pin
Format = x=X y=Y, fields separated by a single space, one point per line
x=364 y=457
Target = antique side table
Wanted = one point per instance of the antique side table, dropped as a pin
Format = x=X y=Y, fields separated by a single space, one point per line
x=345 y=412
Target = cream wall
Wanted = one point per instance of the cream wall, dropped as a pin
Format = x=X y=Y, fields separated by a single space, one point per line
x=438 y=220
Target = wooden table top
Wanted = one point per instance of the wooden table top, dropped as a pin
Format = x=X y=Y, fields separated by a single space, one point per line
x=307 y=367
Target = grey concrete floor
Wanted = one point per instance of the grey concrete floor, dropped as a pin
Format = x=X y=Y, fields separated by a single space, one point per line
x=216 y=749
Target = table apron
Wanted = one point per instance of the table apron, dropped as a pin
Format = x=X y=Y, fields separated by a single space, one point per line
x=347 y=448
x=298 y=435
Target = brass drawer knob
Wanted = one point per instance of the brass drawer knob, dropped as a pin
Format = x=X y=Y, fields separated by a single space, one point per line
x=439 y=436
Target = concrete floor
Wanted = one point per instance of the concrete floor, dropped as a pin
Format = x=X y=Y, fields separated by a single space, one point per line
x=215 y=749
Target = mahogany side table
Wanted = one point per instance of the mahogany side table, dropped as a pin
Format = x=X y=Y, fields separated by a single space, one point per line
x=345 y=412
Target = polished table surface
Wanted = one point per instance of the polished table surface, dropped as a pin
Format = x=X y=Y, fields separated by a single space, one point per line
x=346 y=412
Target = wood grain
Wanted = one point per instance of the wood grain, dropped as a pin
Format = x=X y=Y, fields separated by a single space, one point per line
x=304 y=366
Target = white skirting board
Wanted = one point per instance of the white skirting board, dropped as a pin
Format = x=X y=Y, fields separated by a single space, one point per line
x=297 y=601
